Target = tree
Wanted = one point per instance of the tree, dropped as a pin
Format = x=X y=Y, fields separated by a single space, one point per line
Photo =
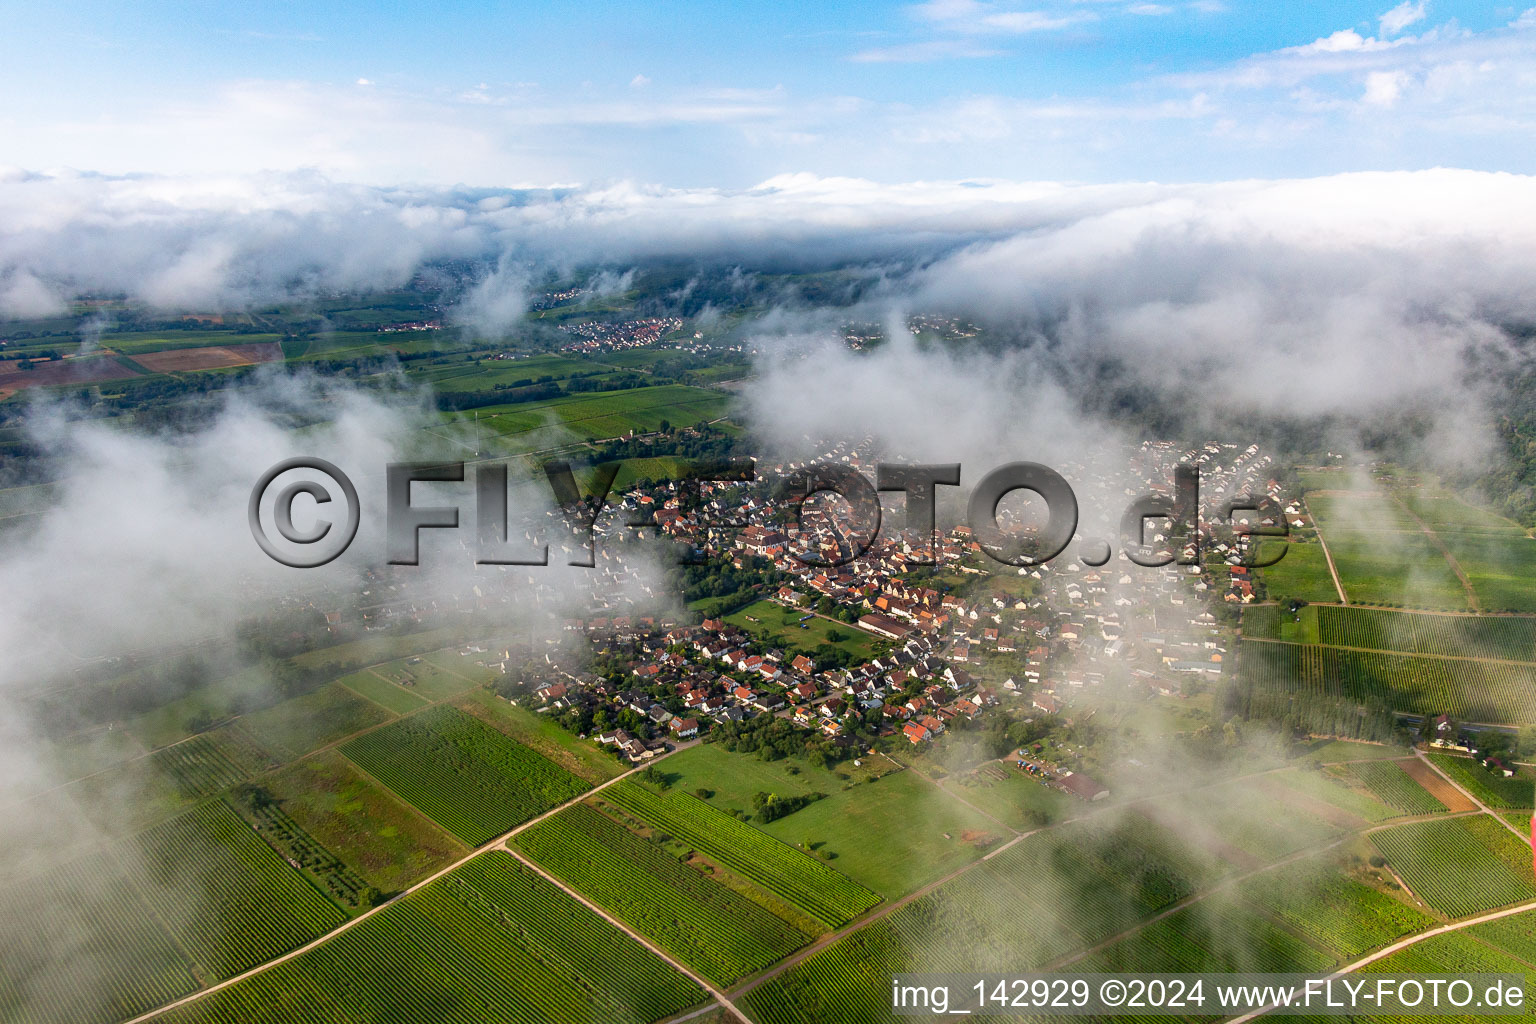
x=1525 y=743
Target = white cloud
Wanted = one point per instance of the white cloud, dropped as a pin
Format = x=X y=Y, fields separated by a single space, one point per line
x=1407 y=13
x=1343 y=41
x=1031 y=21
x=1382 y=88
x=639 y=82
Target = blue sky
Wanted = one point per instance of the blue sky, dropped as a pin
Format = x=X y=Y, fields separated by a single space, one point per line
x=728 y=95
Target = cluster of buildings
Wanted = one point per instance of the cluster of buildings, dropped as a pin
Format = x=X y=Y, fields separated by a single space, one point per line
x=599 y=336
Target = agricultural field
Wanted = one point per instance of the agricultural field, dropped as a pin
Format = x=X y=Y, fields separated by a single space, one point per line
x=384 y=840
x=581 y=758
x=279 y=831
x=1492 y=789
x=1499 y=637
x=492 y=940
x=599 y=415
x=1403 y=568
x=706 y=925
x=297 y=726
x=1333 y=911
x=124 y=961
x=1301 y=575
x=1395 y=787
x=891 y=835
x=169 y=723
x=227 y=897
x=1500 y=567
x=731 y=780
x=1341 y=751
x=1218 y=934
x=474 y=781
x=789 y=874
x=440 y=675
x=1031 y=906
x=1454 y=953
x=198 y=767
x=1459 y=866
x=1515 y=935
x=386 y=694
x=1475 y=691
x=136 y=343
x=1250 y=821
x=210 y=357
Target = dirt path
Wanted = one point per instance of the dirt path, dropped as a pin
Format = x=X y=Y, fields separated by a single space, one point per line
x=1327 y=555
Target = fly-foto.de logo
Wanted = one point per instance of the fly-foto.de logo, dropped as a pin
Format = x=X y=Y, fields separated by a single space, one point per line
x=1156 y=528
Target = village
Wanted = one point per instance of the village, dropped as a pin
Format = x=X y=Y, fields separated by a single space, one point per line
x=954 y=637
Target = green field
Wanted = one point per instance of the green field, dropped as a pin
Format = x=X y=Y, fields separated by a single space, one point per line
x=1036 y=903
x=1500 y=568
x=1515 y=935
x=1467 y=636
x=1256 y=819
x=1474 y=691
x=732 y=780
x=1459 y=866
x=491 y=941
x=891 y=835
x=440 y=675
x=124 y=962
x=1456 y=953
x=789 y=874
x=1301 y=575
x=1340 y=751
x=1333 y=911
x=229 y=900
x=780 y=627
x=1395 y=787
x=706 y=925
x=1017 y=800
x=135 y=343
x=297 y=726
x=598 y=415
x=295 y=845
x=1219 y=934
x=579 y=757
x=382 y=692
x=198 y=767
x=1494 y=790
x=384 y=840
x=469 y=778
